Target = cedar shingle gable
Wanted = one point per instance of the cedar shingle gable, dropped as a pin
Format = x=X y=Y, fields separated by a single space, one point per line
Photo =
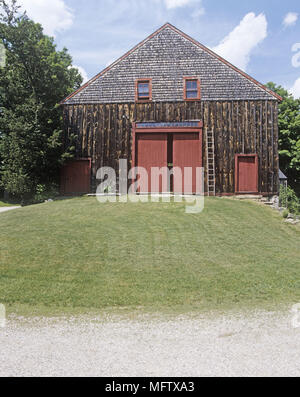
x=167 y=57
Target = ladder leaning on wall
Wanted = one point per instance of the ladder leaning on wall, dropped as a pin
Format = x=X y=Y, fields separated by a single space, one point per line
x=210 y=160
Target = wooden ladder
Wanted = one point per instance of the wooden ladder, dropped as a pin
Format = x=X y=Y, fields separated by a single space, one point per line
x=210 y=158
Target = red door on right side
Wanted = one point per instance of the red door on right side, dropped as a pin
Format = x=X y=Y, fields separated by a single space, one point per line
x=246 y=174
x=187 y=157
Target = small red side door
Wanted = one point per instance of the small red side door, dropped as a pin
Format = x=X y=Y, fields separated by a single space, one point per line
x=76 y=177
x=187 y=153
x=152 y=151
x=246 y=174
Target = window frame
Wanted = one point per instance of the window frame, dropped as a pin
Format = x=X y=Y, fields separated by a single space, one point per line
x=191 y=78
x=140 y=81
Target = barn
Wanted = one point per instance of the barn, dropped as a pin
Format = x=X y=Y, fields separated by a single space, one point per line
x=172 y=102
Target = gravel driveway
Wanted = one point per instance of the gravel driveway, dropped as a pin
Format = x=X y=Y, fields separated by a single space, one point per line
x=5 y=209
x=257 y=344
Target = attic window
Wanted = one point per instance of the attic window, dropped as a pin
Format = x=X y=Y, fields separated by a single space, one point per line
x=143 y=90
x=192 y=89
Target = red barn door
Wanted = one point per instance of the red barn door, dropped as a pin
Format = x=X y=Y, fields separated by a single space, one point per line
x=187 y=153
x=246 y=174
x=75 y=177
x=152 y=151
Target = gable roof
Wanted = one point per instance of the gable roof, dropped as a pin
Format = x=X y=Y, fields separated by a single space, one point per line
x=188 y=38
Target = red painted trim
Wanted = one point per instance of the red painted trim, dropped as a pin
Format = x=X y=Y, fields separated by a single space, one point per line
x=168 y=25
x=237 y=156
x=146 y=80
x=133 y=145
x=200 y=145
x=185 y=79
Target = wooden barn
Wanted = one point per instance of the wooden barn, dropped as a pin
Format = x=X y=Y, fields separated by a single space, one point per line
x=171 y=101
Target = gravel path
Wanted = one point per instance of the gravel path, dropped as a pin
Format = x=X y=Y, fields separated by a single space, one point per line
x=5 y=209
x=257 y=344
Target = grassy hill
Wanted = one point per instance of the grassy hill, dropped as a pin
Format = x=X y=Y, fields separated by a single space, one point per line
x=79 y=255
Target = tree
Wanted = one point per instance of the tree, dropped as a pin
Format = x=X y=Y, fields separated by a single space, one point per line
x=35 y=79
x=289 y=135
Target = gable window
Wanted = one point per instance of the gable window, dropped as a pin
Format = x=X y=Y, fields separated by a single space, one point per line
x=192 y=89
x=143 y=90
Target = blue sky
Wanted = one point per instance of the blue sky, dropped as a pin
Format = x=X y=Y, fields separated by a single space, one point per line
x=257 y=35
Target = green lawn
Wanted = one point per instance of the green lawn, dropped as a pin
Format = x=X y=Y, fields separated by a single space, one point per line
x=81 y=255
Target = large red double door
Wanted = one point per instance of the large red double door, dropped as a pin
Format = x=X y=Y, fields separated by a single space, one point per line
x=170 y=161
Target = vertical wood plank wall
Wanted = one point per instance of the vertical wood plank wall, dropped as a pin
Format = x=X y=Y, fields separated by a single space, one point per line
x=103 y=133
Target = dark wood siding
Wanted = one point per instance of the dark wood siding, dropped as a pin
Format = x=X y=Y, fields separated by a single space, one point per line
x=104 y=134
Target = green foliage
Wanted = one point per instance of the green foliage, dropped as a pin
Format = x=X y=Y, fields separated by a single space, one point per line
x=35 y=79
x=43 y=193
x=285 y=214
x=289 y=135
x=107 y=190
x=289 y=199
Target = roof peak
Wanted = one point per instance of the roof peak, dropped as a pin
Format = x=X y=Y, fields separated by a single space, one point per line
x=167 y=24
x=187 y=37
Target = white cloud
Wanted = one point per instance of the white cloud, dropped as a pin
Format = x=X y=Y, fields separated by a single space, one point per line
x=295 y=90
x=176 y=3
x=238 y=45
x=82 y=72
x=103 y=57
x=54 y=15
x=290 y=19
x=171 y=4
x=196 y=4
x=296 y=57
x=198 y=13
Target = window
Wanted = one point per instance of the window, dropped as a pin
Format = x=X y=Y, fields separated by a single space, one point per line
x=191 y=89
x=143 y=90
